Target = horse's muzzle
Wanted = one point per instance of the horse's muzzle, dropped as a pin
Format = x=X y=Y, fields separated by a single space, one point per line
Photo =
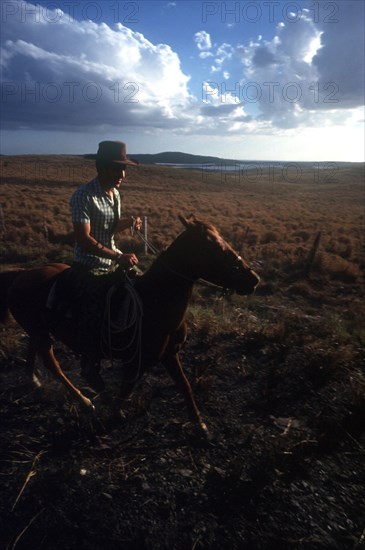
x=247 y=284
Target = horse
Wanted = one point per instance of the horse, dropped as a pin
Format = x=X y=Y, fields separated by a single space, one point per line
x=165 y=290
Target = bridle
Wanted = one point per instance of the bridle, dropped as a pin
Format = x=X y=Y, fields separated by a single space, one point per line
x=224 y=290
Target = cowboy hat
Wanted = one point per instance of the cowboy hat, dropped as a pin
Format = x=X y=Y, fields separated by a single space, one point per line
x=112 y=152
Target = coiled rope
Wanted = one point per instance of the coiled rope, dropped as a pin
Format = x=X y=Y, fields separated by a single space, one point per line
x=128 y=318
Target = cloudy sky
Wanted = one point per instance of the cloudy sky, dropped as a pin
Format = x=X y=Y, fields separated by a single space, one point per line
x=258 y=80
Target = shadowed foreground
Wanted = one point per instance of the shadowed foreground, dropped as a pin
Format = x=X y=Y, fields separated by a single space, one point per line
x=285 y=469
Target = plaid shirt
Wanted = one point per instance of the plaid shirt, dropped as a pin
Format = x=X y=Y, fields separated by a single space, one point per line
x=91 y=204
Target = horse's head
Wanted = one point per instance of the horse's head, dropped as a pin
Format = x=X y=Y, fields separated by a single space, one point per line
x=217 y=262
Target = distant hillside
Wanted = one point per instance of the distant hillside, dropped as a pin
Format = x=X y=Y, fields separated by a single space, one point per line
x=176 y=157
x=172 y=157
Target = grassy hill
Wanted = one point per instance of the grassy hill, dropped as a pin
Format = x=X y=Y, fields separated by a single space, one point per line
x=172 y=157
x=178 y=158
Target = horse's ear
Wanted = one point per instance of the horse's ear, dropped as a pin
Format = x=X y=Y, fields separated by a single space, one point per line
x=188 y=222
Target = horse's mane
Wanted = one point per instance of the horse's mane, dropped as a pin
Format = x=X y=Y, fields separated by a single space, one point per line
x=196 y=224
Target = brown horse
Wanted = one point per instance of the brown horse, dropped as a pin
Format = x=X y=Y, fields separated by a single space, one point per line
x=164 y=290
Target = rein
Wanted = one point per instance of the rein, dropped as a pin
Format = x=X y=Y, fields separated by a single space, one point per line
x=148 y=244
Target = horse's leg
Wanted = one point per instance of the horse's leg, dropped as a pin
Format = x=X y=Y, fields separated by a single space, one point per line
x=34 y=323
x=129 y=379
x=30 y=365
x=174 y=367
x=51 y=363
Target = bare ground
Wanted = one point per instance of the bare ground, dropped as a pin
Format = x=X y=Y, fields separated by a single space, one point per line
x=285 y=468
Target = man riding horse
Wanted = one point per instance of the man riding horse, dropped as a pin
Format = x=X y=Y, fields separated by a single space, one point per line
x=96 y=217
x=163 y=292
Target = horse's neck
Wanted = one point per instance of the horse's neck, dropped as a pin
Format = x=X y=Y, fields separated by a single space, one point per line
x=166 y=277
x=171 y=276
x=180 y=259
x=163 y=275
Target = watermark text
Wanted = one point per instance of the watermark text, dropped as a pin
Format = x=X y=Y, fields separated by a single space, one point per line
x=269 y=11
x=251 y=172
x=70 y=10
x=254 y=92
x=68 y=92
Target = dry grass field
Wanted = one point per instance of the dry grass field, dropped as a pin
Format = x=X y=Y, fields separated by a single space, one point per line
x=263 y=215
x=279 y=376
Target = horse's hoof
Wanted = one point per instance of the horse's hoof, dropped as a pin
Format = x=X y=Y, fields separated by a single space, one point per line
x=198 y=433
x=36 y=383
x=89 y=405
x=205 y=433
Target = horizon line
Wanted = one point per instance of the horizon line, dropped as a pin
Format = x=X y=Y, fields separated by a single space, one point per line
x=131 y=155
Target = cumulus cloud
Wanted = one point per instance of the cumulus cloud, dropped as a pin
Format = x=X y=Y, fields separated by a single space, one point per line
x=219 y=54
x=221 y=110
x=81 y=75
x=262 y=57
x=309 y=71
x=202 y=40
x=60 y=72
x=224 y=53
x=341 y=56
x=204 y=55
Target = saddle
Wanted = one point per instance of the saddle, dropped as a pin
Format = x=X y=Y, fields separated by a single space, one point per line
x=60 y=297
x=91 y=302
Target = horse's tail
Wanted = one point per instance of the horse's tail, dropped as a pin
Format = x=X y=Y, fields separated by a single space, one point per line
x=6 y=280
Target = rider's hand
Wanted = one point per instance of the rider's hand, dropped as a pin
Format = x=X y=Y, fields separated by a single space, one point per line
x=127 y=260
x=137 y=223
